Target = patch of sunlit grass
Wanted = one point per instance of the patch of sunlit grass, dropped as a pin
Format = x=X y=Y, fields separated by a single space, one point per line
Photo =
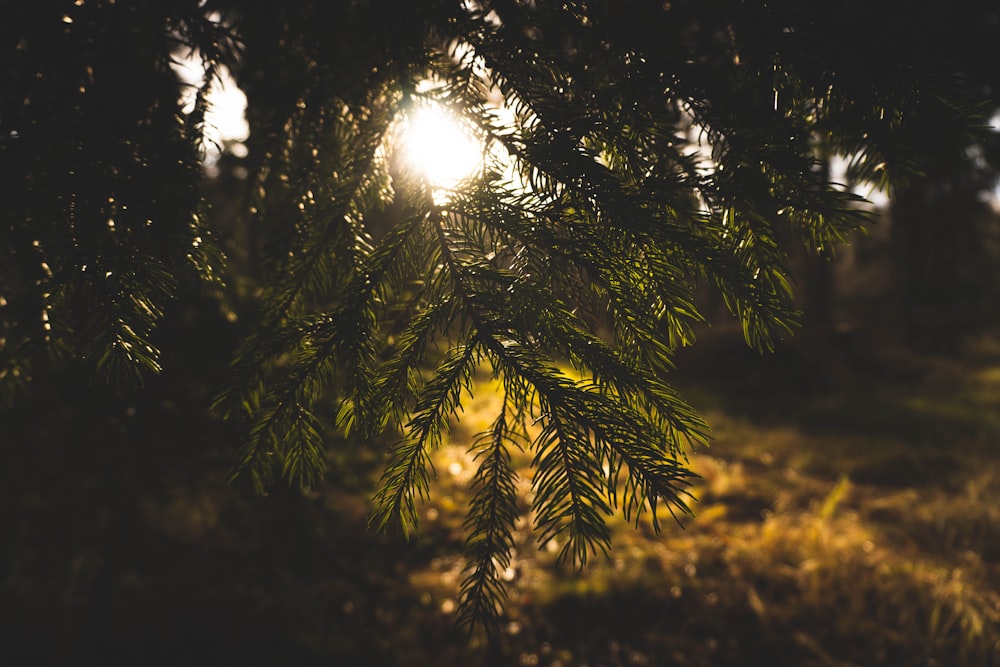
x=789 y=560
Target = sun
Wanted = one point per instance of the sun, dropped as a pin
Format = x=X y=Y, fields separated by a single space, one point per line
x=439 y=147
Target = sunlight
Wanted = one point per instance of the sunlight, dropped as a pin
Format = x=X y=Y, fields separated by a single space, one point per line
x=225 y=121
x=439 y=148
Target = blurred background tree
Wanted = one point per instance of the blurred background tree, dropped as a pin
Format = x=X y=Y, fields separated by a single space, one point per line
x=635 y=154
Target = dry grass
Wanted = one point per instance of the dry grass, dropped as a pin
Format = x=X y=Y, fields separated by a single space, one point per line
x=809 y=548
x=856 y=525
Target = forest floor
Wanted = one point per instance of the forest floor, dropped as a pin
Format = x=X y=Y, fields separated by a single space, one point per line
x=848 y=513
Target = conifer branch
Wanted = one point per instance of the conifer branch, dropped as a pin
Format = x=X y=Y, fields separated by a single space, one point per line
x=490 y=528
x=406 y=473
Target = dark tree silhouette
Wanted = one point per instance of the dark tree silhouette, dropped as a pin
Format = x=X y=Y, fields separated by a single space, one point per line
x=943 y=228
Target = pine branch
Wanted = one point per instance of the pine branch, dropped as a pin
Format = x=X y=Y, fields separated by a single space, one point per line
x=569 y=489
x=396 y=379
x=311 y=351
x=328 y=241
x=490 y=527
x=405 y=475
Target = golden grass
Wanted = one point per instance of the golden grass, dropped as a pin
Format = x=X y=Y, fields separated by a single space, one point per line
x=788 y=560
